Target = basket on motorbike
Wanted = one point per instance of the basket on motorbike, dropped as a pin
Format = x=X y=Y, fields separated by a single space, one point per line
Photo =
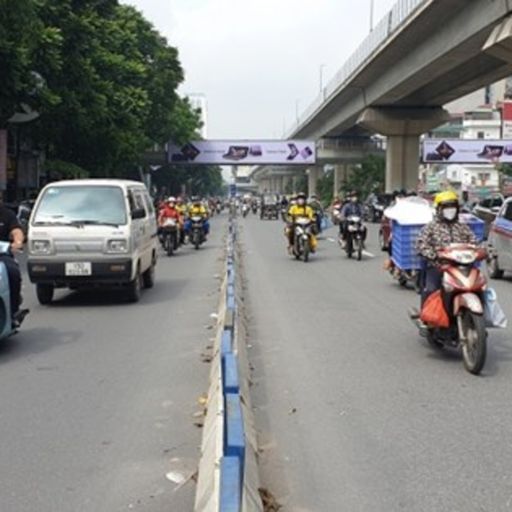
x=403 y=248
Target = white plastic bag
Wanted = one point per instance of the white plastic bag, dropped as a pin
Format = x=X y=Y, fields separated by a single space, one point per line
x=493 y=314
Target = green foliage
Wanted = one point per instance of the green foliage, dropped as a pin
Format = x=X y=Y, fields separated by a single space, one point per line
x=27 y=50
x=369 y=177
x=506 y=169
x=325 y=188
x=103 y=79
x=197 y=180
x=59 y=170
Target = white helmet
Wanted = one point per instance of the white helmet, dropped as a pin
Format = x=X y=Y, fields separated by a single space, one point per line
x=171 y=199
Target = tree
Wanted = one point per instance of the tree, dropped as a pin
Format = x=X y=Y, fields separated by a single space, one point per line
x=198 y=180
x=369 y=177
x=28 y=51
x=116 y=88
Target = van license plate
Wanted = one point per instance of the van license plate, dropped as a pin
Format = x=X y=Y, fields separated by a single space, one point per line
x=79 y=268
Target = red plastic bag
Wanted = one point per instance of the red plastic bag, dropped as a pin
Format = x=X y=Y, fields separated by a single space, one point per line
x=433 y=312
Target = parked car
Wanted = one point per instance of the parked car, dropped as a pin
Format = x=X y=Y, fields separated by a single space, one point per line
x=90 y=234
x=500 y=242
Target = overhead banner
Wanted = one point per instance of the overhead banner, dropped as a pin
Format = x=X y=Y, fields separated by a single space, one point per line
x=235 y=152
x=466 y=151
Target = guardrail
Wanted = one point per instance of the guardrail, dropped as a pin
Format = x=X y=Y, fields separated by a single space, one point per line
x=382 y=32
x=228 y=479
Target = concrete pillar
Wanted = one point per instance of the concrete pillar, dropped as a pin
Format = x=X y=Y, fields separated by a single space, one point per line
x=280 y=185
x=403 y=127
x=287 y=184
x=402 y=162
x=340 y=175
x=295 y=184
x=313 y=175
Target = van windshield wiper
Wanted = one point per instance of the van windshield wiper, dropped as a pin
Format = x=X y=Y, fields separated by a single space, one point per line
x=90 y=222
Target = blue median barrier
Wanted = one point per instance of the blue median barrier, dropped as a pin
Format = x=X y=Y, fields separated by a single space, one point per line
x=234 y=445
x=230 y=489
x=230 y=374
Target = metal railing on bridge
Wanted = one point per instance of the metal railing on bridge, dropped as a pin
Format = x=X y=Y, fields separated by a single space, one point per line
x=383 y=31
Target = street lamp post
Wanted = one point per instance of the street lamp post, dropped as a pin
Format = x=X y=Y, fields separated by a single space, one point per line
x=297 y=101
x=372 y=10
x=322 y=66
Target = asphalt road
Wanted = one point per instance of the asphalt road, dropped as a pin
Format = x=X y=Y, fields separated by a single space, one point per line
x=354 y=412
x=97 y=396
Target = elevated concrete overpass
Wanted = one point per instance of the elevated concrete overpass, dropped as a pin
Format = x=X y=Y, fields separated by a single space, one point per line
x=421 y=56
x=338 y=152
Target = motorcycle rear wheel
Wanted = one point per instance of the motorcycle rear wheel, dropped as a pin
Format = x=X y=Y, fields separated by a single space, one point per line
x=474 y=349
x=349 y=247
x=168 y=244
x=359 y=250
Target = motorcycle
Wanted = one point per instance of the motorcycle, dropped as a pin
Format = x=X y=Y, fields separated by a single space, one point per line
x=197 y=231
x=463 y=290
x=170 y=236
x=8 y=327
x=354 y=237
x=254 y=208
x=303 y=232
x=245 y=210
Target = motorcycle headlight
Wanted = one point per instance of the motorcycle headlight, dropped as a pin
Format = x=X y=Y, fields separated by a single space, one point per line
x=117 y=246
x=40 y=247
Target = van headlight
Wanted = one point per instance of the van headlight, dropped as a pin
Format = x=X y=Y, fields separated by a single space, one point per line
x=40 y=247
x=117 y=246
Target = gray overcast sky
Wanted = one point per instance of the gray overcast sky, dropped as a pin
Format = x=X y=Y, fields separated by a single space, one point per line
x=254 y=59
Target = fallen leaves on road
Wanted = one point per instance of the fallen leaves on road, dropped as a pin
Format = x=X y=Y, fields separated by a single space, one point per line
x=206 y=358
x=270 y=504
x=292 y=411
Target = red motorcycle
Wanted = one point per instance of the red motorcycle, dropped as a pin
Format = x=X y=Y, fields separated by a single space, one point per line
x=454 y=315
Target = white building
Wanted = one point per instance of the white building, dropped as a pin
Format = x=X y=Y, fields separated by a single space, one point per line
x=199 y=102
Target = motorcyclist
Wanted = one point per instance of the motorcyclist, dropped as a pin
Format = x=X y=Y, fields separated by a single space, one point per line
x=169 y=211
x=299 y=209
x=353 y=208
x=11 y=231
x=318 y=211
x=445 y=229
x=197 y=209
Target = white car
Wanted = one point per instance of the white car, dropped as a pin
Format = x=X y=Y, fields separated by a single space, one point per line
x=92 y=233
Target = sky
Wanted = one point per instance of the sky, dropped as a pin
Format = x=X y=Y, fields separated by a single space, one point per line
x=259 y=62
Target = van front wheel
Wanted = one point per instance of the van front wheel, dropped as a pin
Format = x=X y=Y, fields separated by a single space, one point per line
x=134 y=288
x=44 y=293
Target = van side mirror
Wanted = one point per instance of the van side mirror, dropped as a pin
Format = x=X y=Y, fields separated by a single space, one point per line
x=139 y=213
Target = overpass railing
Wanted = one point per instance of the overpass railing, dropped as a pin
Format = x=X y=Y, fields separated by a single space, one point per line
x=383 y=31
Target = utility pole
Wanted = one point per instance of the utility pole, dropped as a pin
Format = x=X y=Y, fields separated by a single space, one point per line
x=372 y=10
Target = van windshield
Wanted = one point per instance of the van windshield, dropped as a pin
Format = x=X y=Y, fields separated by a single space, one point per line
x=81 y=204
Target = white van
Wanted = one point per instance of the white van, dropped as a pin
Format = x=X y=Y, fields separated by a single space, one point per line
x=92 y=233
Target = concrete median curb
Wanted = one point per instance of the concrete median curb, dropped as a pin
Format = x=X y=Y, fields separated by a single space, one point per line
x=228 y=479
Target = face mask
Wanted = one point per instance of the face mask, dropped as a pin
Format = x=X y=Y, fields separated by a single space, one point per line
x=450 y=213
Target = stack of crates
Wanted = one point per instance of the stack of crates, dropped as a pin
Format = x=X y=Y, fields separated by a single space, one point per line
x=403 y=249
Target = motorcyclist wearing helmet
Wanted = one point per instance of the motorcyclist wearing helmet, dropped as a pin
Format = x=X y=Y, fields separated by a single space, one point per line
x=197 y=209
x=296 y=210
x=169 y=211
x=353 y=208
x=444 y=230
